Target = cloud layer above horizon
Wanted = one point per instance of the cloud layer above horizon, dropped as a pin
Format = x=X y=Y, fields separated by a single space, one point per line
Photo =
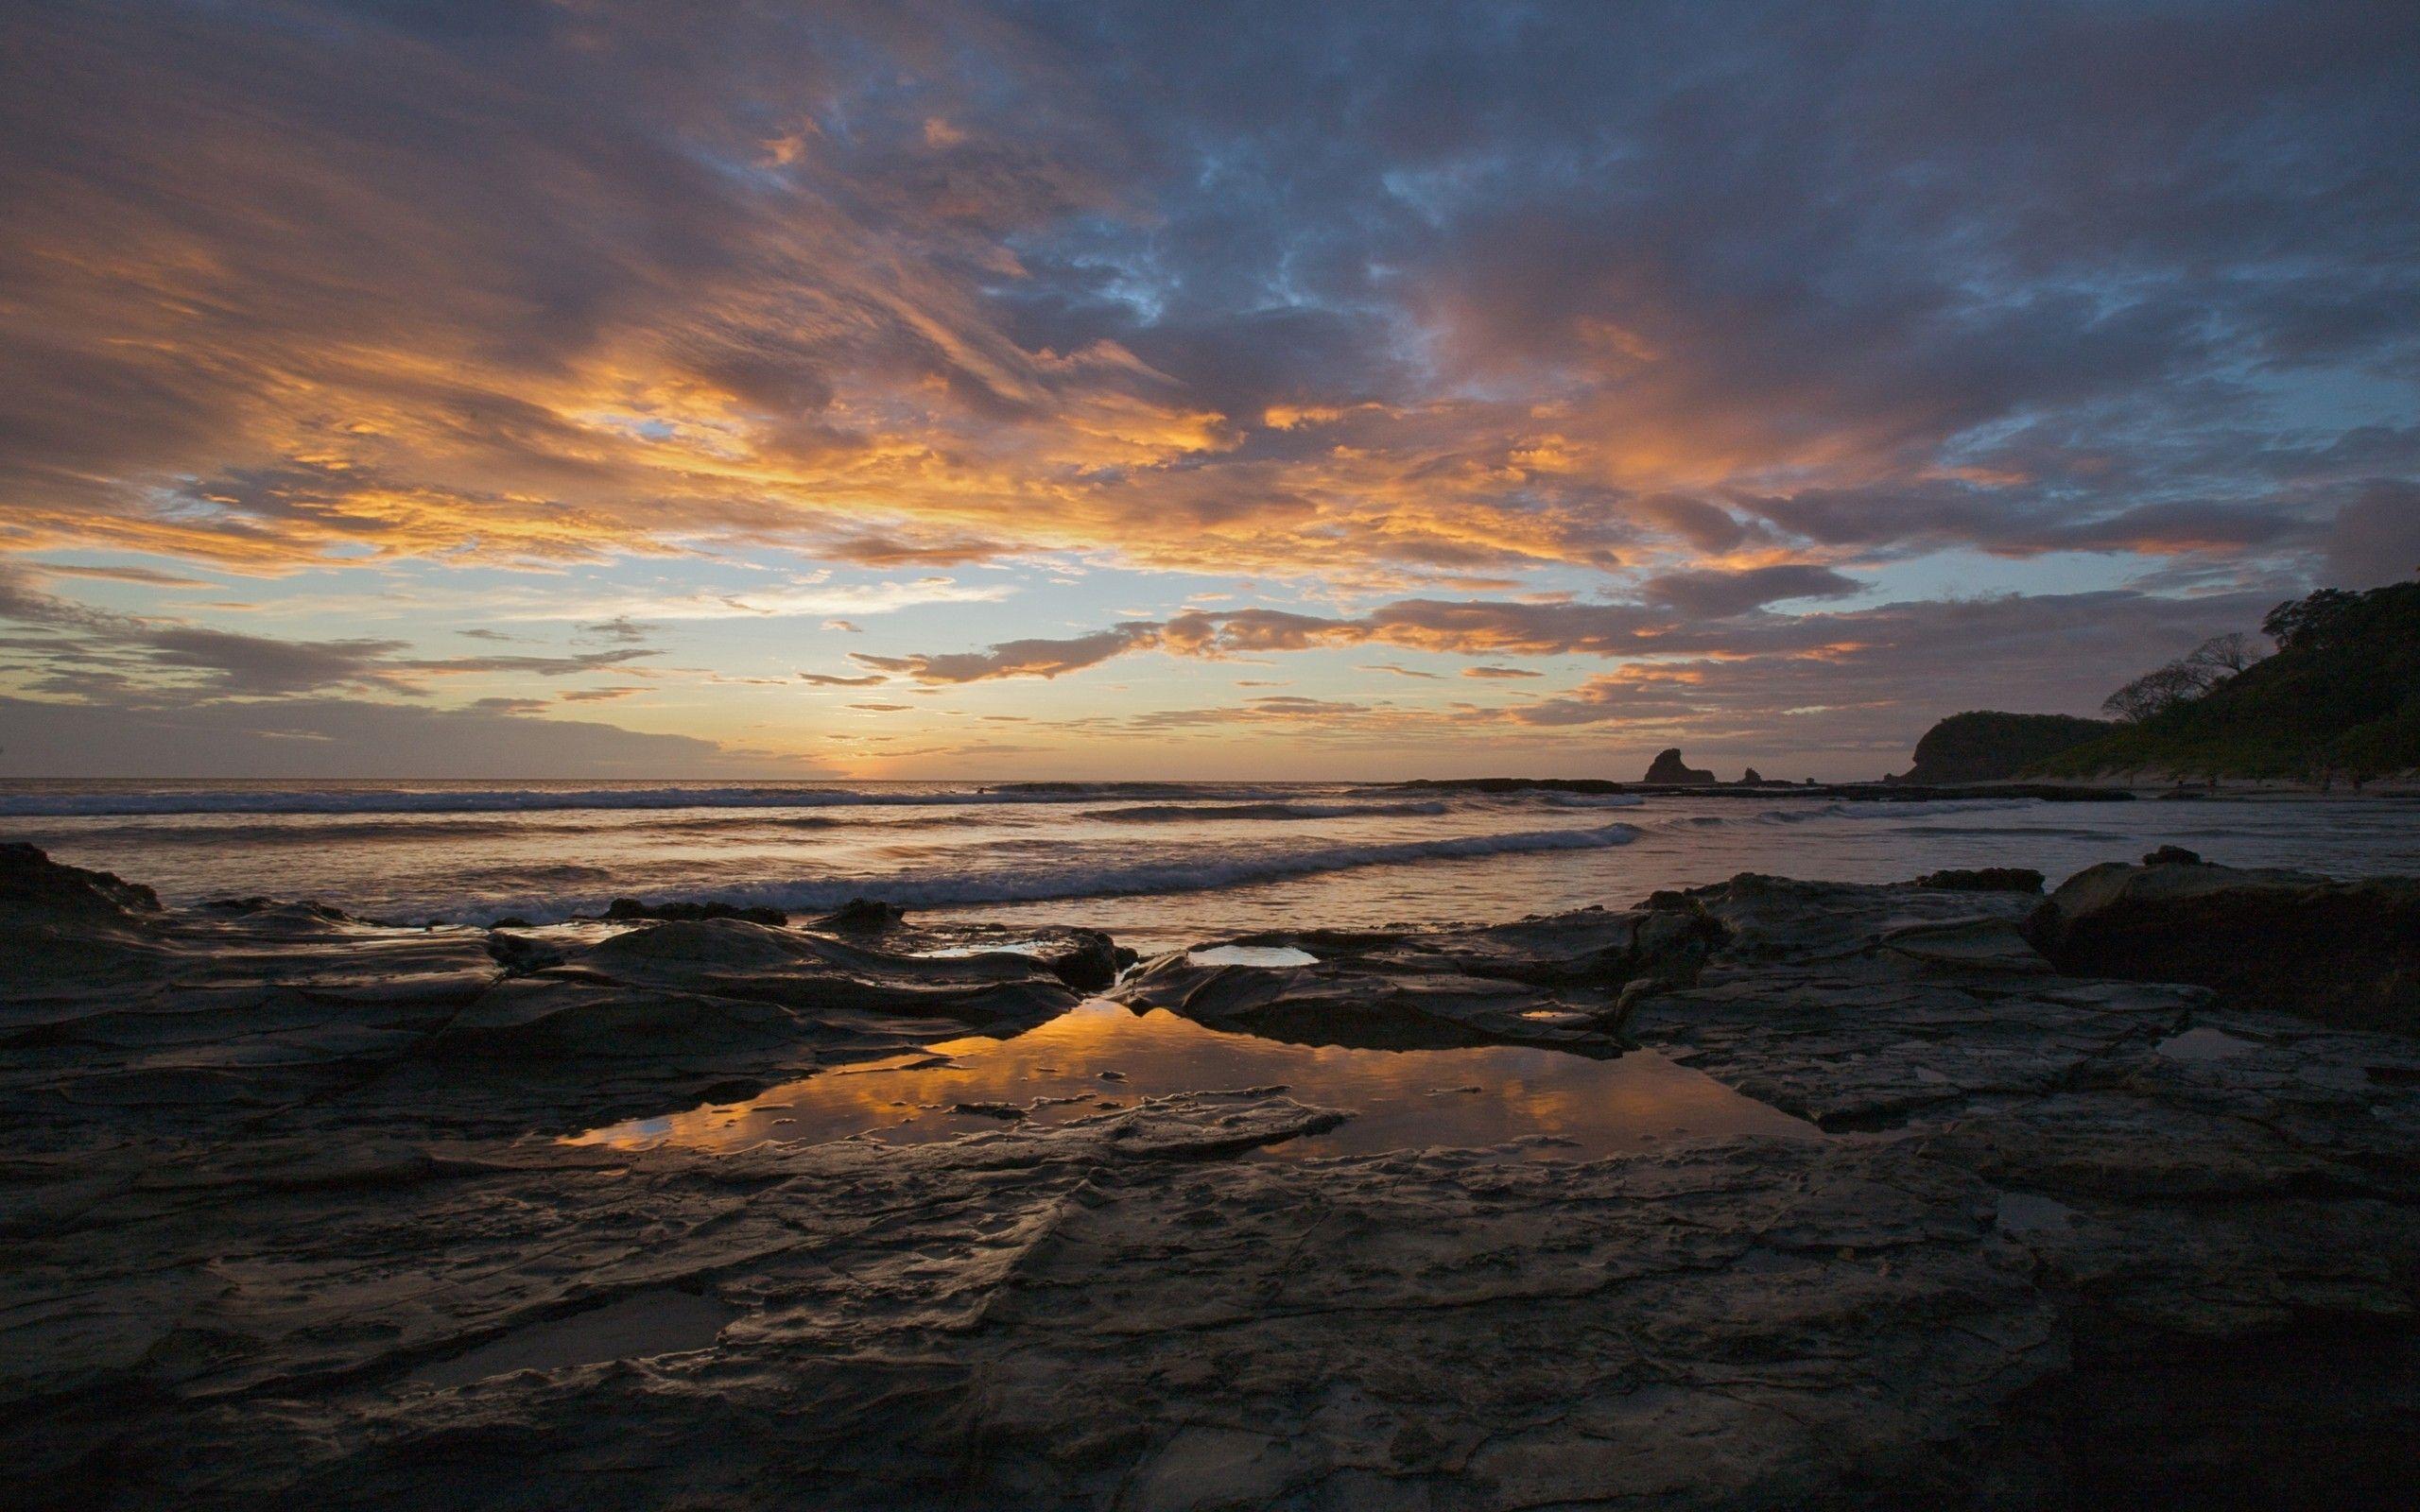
x=1770 y=380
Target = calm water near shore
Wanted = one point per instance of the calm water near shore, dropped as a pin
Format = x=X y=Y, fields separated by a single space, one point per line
x=1158 y=865
x=1538 y=1104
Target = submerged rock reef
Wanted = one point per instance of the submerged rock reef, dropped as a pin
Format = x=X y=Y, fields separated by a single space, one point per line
x=287 y=1221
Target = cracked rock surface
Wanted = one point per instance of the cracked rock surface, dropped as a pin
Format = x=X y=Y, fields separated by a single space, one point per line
x=119 y=1017
x=285 y=1225
x=1554 y=981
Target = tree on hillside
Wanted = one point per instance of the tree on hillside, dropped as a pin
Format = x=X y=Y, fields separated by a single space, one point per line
x=2186 y=679
x=2311 y=621
x=2223 y=656
x=2339 y=702
x=2154 y=692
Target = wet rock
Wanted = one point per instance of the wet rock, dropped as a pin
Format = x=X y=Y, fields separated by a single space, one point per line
x=1005 y=1112
x=1983 y=879
x=1554 y=981
x=1085 y=959
x=33 y=887
x=2342 y=952
x=1984 y=943
x=1103 y=1314
x=2172 y=855
x=862 y=914
x=1870 y=1007
x=520 y=954
x=265 y=1248
x=2245 y=1218
x=179 y=1021
x=255 y=906
x=1668 y=770
x=628 y=910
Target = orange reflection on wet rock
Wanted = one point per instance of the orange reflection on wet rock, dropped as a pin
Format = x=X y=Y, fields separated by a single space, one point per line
x=1099 y=1057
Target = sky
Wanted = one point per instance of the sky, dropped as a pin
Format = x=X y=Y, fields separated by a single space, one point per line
x=595 y=390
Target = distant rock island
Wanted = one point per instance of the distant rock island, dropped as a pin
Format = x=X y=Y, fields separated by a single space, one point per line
x=1983 y=745
x=1668 y=770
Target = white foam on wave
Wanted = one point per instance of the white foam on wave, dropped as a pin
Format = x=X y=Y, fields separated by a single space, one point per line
x=1887 y=809
x=1196 y=813
x=931 y=889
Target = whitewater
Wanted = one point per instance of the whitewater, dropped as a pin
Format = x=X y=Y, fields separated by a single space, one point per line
x=1157 y=862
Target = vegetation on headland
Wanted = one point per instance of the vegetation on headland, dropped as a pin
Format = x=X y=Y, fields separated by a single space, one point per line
x=1983 y=745
x=2339 y=701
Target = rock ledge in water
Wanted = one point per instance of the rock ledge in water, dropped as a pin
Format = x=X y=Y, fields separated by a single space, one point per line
x=628 y=910
x=32 y=885
x=1556 y=981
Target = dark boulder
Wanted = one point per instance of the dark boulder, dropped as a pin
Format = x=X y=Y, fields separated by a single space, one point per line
x=1668 y=770
x=32 y=882
x=861 y=914
x=1085 y=959
x=2345 y=953
x=519 y=955
x=629 y=910
x=1983 y=879
x=255 y=906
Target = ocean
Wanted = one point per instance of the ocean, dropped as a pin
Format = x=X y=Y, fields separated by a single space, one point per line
x=1157 y=865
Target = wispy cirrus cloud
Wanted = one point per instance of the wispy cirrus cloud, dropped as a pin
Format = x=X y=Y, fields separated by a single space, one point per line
x=172 y=656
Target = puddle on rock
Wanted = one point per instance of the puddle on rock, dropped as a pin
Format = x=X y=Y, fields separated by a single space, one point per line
x=649 y=1323
x=1102 y=1056
x=1271 y=955
x=2205 y=1044
x=2024 y=1212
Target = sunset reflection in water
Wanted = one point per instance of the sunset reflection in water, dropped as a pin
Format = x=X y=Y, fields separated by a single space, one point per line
x=1102 y=1056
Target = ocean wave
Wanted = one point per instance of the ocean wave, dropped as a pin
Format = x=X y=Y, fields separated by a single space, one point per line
x=2030 y=832
x=533 y=801
x=935 y=890
x=1584 y=800
x=343 y=829
x=1885 y=808
x=1184 y=813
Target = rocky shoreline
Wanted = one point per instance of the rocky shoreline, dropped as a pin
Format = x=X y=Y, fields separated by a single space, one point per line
x=2115 y=1201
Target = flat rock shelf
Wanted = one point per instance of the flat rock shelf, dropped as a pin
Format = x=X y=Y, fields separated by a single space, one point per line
x=301 y=1211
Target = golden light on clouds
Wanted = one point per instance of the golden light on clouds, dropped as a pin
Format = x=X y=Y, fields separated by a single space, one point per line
x=1006 y=339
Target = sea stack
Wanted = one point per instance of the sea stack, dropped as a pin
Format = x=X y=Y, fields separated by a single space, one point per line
x=1668 y=769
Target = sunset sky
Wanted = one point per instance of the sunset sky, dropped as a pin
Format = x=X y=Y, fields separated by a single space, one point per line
x=592 y=390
